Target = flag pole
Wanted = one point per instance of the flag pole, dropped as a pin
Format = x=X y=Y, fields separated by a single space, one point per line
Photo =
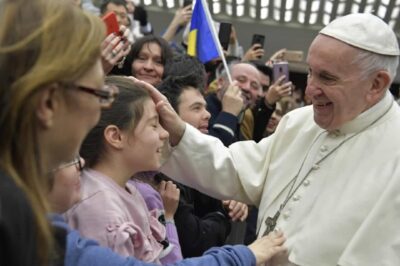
x=216 y=40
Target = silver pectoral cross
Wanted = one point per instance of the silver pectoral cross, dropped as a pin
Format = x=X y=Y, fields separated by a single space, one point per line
x=270 y=223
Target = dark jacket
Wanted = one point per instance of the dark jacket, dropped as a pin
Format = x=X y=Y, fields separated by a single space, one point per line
x=201 y=221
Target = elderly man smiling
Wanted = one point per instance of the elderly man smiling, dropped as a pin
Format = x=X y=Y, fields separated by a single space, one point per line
x=330 y=175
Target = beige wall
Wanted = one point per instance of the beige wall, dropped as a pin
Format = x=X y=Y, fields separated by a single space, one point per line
x=277 y=36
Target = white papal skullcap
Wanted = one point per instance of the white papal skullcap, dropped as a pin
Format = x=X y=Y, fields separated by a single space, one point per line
x=364 y=31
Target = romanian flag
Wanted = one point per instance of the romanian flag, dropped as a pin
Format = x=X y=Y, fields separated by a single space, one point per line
x=202 y=39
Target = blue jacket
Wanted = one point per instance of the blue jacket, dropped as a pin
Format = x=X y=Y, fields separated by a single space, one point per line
x=86 y=252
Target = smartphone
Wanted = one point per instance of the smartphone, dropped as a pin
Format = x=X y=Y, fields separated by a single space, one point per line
x=279 y=69
x=258 y=39
x=110 y=19
x=187 y=2
x=224 y=34
x=293 y=56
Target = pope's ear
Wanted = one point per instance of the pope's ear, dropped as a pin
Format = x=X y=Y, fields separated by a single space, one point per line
x=380 y=84
x=47 y=105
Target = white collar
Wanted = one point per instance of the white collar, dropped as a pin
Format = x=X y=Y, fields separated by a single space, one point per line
x=368 y=117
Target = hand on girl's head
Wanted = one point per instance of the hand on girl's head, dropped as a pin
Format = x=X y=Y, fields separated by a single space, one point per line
x=169 y=119
x=154 y=93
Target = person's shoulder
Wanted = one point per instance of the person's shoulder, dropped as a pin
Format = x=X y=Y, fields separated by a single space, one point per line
x=15 y=209
x=96 y=185
x=302 y=111
x=140 y=185
x=11 y=196
x=97 y=201
x=298 y=121
x=396 y=109
x=17 y=224
x=146 y=190
x=300 y=115
x=6 y=182
x=211 y=98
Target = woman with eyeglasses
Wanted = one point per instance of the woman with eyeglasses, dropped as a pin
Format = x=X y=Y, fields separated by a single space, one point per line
x=103 y=197
x=51 y=92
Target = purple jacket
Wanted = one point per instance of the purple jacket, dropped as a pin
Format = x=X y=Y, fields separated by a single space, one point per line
x=154 y=204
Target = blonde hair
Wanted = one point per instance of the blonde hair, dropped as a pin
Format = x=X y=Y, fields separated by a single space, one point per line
x=41 y=42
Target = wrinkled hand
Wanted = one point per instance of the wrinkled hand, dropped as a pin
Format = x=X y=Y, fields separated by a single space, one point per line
x=277 y=56
x=232 y=100
x=237 y=210
x=169 y=119
x=278 y=90
x=115 y=48
x=268 y=246
x=183 y=16
x=255 y=52
x=170 y=197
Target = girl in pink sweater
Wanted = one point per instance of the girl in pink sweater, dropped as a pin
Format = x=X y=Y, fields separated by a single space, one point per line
x=127 y=140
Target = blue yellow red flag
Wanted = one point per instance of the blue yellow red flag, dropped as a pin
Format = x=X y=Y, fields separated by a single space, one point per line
x=202 y=40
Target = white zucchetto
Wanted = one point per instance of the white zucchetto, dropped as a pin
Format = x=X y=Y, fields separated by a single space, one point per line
x=365 y=31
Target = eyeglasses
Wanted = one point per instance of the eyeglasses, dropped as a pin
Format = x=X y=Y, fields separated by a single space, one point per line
x=77 y=162
x=106 y=95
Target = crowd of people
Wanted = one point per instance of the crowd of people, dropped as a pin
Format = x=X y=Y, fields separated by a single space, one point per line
x=120 y=149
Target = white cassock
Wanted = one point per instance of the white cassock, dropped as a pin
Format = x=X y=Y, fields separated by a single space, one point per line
x=346 y=209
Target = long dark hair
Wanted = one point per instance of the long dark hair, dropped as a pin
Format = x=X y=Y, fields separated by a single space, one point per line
x=166 y=54
x=125 y=113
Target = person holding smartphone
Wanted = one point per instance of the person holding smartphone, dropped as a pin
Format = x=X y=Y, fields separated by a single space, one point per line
x=180 y=20
x=117 y=44
x=256 y=50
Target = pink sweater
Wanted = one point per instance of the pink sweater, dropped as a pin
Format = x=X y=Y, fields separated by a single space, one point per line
x=117 y=218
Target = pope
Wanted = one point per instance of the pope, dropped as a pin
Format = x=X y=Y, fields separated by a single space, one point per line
x=330 y=175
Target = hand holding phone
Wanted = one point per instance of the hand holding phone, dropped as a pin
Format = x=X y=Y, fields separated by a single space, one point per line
x=292 y=56
x=258 y=39
x=224 y=34
x=279 y=69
